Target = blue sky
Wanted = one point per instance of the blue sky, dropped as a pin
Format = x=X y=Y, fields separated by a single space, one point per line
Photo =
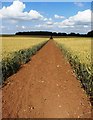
x=50 y=16
x=49 y=0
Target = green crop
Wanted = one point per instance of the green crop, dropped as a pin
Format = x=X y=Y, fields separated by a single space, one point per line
x=78 y=52
x=17 y=51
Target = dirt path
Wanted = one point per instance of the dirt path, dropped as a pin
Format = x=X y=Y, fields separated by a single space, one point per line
x=45 y=88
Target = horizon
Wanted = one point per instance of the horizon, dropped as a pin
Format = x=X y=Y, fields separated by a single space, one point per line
x=18 y=16
x=47 y=31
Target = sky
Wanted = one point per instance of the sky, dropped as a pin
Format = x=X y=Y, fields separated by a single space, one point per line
x=45 y=16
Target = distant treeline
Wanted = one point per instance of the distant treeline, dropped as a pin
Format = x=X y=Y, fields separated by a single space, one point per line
x=46 y=33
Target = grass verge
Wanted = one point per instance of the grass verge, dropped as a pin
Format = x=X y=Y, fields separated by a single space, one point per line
x=11 y=64
x=83 y=71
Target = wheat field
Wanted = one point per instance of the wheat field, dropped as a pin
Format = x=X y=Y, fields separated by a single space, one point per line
x=15 y=43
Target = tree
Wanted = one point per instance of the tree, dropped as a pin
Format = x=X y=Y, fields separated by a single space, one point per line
x=90 y=34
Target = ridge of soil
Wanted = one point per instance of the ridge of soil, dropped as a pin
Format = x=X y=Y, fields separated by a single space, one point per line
x=45 y=87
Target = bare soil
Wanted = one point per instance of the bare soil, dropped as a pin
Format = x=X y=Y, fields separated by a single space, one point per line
x=45 y=87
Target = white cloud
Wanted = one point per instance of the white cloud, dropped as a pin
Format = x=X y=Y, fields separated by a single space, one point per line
x=50 y=19
x=16 y=12
x=2 y=27
x=17 y=26
x=86 y=26
x=47 y=19
x=45 y=25
x=49 y=23
x=81 y=18
x=79 y=4
x=58 y=17
x=23 y=27
x=79 y=23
